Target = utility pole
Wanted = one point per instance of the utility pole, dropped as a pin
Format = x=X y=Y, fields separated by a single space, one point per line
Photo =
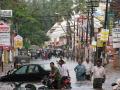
x=106 y=15
x=92 y=20
x=92 y=4
x=87 y=28
x=1 y=61
x=74 y=42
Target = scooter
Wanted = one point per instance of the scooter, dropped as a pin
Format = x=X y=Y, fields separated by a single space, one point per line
x=116 y=85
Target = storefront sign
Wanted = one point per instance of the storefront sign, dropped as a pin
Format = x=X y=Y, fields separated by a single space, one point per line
x=4 y=34
x=18 y=41
x=5 y=13
x=104 y=35
x=116 y=37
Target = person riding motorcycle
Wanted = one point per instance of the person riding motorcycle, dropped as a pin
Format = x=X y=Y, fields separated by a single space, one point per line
x=65 y=80
x=55 y=74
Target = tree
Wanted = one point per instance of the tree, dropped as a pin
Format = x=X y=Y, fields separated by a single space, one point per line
x=115 y=7
x=33 y=18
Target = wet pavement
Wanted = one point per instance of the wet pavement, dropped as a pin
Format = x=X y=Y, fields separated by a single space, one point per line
x=112 y=76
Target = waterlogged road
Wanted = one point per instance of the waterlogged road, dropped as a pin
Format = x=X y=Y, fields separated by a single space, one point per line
x=112 y=76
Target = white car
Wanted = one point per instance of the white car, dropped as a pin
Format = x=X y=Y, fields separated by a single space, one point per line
x=33 y=86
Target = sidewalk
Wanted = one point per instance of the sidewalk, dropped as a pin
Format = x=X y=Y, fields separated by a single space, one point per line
x=6 y=68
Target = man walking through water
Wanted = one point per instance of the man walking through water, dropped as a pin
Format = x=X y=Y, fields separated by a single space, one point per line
x=80 y=71
x=88 y=66
x=98 y=75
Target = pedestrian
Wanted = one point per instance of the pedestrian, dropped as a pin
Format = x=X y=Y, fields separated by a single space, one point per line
x=80 y=71
x=88 y=66
x=56 y=75
x=49 y=55
x=98 y=75
x=46 y=55
x=64 y=72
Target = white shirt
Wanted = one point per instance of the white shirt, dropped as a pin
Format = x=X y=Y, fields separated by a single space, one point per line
x=63 y=70
x=88 y=67
x=98 y=72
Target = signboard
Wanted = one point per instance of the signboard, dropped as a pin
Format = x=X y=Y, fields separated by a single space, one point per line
x=4 y=39
x=110 y=40
x=5 y=13
x=111 y=25
x=104 y=35
x=4 y=28
x=4 y=34
x=93 y=3
x=99 y=43
x=18 y=42
x=116 y=37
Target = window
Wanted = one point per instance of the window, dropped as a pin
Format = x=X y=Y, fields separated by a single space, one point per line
x=22 y=70
x=36 y=70
x=46 y=66
x=33 y=69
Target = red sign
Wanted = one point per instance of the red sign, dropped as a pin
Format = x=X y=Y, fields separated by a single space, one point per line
x=5 y=47
x=4 y=27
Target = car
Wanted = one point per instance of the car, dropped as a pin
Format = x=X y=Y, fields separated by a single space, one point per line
x=27 y=73
x=22 y=86
x=32 y=86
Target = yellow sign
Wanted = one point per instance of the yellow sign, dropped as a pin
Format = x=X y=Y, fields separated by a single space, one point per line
x=104 y=35
x=99 y=43
x=18 y=42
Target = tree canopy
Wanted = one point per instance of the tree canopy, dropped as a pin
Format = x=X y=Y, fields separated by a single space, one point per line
x=33 y=18
x=115 y=7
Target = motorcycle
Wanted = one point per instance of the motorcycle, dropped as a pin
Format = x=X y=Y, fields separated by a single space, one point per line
x=66 y=83
x=116 y=85
x=50 y=83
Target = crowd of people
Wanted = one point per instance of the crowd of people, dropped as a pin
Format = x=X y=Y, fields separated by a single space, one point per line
x=87 y=71
x=84 y=71
x=47 y=54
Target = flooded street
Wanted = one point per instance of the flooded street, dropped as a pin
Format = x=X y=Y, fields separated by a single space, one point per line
x=112 y=76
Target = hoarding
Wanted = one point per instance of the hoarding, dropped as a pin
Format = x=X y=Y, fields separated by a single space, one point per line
x=116 y=37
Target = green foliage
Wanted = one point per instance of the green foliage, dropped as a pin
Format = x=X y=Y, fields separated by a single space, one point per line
x=33 y=18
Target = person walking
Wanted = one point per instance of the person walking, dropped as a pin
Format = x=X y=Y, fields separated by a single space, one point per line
x=98 y=75
x=88 y=66
x=80 y=71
